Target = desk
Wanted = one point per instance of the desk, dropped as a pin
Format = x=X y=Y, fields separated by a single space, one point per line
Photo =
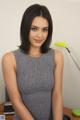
x=8 y=117
x=67 y=111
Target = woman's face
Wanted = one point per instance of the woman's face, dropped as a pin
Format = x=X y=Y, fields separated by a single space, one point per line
x=38 y=32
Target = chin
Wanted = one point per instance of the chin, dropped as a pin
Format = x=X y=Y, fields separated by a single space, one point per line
x=38 y=45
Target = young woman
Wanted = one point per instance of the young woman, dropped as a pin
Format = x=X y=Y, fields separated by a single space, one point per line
x=33 y=73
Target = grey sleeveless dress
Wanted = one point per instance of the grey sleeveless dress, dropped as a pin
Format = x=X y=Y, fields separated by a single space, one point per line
x=35 y=81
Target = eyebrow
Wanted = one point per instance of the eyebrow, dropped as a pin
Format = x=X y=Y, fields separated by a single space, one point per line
x=38 y=27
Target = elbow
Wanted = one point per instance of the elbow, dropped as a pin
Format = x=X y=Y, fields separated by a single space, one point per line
x=57 y=97
x=15 y=101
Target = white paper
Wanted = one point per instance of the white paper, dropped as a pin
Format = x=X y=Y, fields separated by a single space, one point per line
x=2 y=117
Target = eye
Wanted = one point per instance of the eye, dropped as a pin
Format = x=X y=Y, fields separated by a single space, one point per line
x=33 y=28
x=45 y=30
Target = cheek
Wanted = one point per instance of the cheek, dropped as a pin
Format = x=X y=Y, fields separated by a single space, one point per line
x=46 y=35
x=32 y=34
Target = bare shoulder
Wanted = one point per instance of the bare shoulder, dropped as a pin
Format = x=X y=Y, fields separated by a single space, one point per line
x=58 y=56
x=8 y=59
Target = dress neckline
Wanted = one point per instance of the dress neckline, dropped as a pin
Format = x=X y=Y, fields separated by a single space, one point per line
x=34 y=57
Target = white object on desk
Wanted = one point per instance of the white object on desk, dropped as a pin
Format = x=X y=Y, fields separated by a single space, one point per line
x=2 y=117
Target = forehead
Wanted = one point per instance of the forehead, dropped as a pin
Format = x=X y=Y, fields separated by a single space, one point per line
x=40 y=22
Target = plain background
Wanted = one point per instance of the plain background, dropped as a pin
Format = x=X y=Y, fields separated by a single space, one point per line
x=66 y=24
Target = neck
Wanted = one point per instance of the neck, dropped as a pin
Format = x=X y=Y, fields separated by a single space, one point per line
x=35 y=52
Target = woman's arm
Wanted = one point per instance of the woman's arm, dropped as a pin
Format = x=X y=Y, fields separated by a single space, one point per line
x=9 y=73
x=57 y=100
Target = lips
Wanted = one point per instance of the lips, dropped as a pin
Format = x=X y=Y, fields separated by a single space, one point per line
x=38 y=41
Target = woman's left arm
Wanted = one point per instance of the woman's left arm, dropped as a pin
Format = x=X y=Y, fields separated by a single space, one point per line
x=57 y=100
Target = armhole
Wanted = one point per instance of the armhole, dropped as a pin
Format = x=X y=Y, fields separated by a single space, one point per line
x=14 y=59
x=54 y=62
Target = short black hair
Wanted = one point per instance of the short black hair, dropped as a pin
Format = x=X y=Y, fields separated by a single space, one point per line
x=27 y=18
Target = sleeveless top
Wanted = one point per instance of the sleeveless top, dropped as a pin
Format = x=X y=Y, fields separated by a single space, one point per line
x=35 y=81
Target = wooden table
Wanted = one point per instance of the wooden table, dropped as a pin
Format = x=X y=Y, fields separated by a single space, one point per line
x=67 y=111
x=8 y=117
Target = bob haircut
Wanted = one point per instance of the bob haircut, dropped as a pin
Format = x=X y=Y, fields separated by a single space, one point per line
x=27 y=18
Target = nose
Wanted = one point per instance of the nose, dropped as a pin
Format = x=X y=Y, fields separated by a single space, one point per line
x=39 y=34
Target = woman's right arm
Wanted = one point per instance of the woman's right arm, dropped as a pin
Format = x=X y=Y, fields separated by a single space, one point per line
x=9 y=74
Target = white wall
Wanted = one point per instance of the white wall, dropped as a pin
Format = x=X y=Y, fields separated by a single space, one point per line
x=66 y=22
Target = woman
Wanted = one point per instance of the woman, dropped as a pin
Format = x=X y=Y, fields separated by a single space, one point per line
x=33 y=73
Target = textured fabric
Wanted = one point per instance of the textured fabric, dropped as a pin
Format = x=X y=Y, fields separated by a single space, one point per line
x=35 y=81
